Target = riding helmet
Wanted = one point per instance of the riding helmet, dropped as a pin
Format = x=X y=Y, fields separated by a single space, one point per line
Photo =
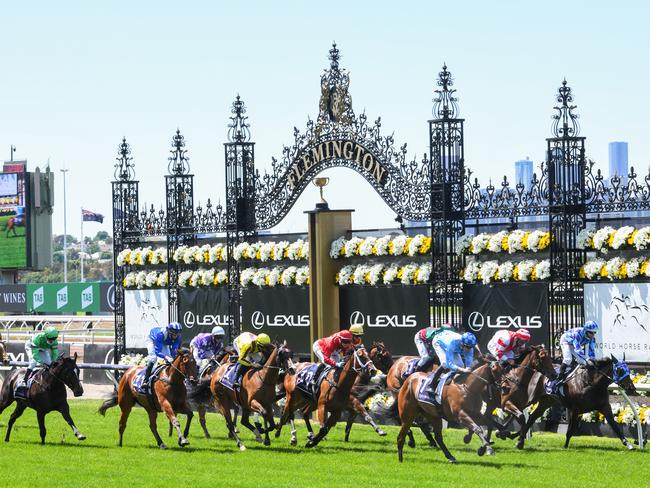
x=263 y=339
x=591 y=326
x=356 y=329
x=175 y=326
x=218 y=331
x=345 y=335
x=523 y=334
x=468 y=339
x=51 y=333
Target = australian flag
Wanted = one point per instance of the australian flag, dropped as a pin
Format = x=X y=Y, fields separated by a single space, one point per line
x=89 y=216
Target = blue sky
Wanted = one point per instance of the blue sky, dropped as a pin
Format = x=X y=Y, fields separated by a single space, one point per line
x=77 y=76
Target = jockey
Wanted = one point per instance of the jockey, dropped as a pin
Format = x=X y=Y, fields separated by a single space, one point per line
x=455 y=352
x=572 y=343
x=251 y=350
x=42 y=350
x=357 y=334
x=329 y=350
x=506 y=345
x=162 y=343
x=424 y=343
x=206 y=346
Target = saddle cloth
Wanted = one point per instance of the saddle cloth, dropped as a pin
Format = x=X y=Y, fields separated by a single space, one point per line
x=432 y=394
x=305 y=380
x=228 y=379
x=22 y=392
x=552 y=388
x=138 y=379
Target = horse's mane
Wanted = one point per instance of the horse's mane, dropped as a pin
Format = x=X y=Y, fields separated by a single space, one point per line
x=183 y=350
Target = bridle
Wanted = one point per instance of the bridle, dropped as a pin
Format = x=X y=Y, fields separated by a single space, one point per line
x=362 y=365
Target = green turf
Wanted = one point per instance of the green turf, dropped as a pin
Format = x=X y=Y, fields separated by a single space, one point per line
x=367 y=461
x=13 y=249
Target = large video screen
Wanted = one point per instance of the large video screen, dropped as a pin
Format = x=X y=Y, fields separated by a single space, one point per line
x=14 y=220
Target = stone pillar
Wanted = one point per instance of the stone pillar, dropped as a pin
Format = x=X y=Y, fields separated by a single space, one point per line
x=324 y=227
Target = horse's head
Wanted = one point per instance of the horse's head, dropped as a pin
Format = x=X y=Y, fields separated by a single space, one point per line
x=541 y=361
x=496 y=370
x=186 y=364
x=621 y=375
x=65 y=369
x=361 y=361
x=381 y=356
x=285 y=357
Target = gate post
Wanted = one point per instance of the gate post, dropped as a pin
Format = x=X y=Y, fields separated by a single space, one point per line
x=565 y=159
x=447 y=176
x=125 y=224
x=324 y=227
x=240 y=203
x=179 y=193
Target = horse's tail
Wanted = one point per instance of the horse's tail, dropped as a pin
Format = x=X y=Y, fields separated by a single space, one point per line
x=200 y=394
x=111 y=402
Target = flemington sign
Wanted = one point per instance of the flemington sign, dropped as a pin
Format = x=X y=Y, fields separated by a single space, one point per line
x=342 y=149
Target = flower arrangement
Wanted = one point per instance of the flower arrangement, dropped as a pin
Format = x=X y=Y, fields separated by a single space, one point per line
x=509 y=242
x=488 y=272
x=364 y=274
x=142 y=256
x=380 y=246
x=608 y=238
x=615 y=269
x=144 y=279
x=133 y=359
x=623 y=414
x=277 y=276
x=379 y=402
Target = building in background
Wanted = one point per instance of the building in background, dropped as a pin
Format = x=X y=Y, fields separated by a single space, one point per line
x=524 y=172
x=618 y=161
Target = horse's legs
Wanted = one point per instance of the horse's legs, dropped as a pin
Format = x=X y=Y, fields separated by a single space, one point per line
x=361 y=410
x=126 y=404
x=204 y=426
x=348 y=426
x=259 y=409
x=329 y=423
x=224 y=408
x=606 y=410
x=424 y=427
x=18 y=411
x=436 y=424
x=294 y=437
x=169 y=411
x=407 y=416
x=65 y=412
x=573 y=425
x=306 y=416
x=189 y=414
x=41 y=425
x=245 y=421
x=542 y=406
x=466 y=420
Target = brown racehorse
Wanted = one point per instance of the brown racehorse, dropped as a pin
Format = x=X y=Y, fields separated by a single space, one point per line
x=11 y=226
x=517 y=389
x=47 y=393
x=257 y=394
x=461 y=401
x=394 y=382
x=334 y=395
x=584 y=391
x=169 y=396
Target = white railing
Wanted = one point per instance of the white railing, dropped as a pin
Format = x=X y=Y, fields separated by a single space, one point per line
x=639 y=427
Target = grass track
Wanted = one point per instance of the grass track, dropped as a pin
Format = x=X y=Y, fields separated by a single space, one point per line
x=366 y=461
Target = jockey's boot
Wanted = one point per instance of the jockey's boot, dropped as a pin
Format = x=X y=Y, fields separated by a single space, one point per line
x=239 y=374
x=564 y=370
x=28 y=374
x=147 y=376
x=436 y=378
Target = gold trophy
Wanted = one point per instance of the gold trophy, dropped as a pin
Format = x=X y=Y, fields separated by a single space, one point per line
x=320 y=183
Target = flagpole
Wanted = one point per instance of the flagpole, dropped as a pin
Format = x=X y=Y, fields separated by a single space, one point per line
x=81 y=254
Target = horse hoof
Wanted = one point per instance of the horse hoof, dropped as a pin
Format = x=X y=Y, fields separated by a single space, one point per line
x=293 y=441
x=629 y=447
x=309 y=444
x=520 y=445
x=277 y=434
x=467 y=438
x=502 y=435
x=310 y=436
x=490 y=451
x=513 y=435
x=267 y=442
x=162 y=446
x=381 y=433
x=242 y=448
x=259 y=439
x=452 y=460
x=81 y=437
x=481 y=450
x=411 y=444
x=491 y=442
x=183 y=442
x=207 y=436
x=236 y=430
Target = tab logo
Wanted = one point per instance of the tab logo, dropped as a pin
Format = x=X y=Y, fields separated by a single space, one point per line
x=87 y=297
x=38 y=298
x=62 y=297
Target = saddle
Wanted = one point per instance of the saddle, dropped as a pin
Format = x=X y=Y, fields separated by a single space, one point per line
x=21 y=390
x=138 y=379
x=228 y=379
x=432 y=394
x=307 y=383
x=552 y=387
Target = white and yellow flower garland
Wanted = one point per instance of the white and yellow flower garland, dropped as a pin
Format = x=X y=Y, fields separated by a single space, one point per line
x=278 y=276
x=608 y=238
x=380 y=246
x=376 y=274
x=493 y=271
x=616 y=268
x=145 y=279
x=504 y=241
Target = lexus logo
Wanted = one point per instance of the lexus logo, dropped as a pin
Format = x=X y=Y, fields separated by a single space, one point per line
x=358 y=318
x=476 y=321
x=260 y=320
x=191 y=319
x=110 y=297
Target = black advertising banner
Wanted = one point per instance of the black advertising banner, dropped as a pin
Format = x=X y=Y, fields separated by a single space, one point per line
x=282 y=313
x=99 y=354
x=16 y=350
x=389 y=314
x=200 y=309
x=106 y=296
x=512 y=306
x=13 y=298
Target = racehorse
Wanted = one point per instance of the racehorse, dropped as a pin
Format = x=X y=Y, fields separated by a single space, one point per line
x=516 y=392
x=585 y=390
x=257 y=394
x=12 y=224
x=46 y=394
x=461 y=401
x=361 y=391
x=169 y=396
x=334 y=395
x=394 y=382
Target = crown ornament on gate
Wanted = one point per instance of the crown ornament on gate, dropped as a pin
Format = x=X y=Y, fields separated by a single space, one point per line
x=444 y=105
x=178 y=161
x=238 y=129
x=124 y=168
x=335 y=103
x=565 y=122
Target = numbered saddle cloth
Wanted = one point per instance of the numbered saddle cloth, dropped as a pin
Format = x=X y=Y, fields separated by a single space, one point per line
x=21 y=392
x=306 y=381
x=138 y=379
x=228 y=378
x=432 y=394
